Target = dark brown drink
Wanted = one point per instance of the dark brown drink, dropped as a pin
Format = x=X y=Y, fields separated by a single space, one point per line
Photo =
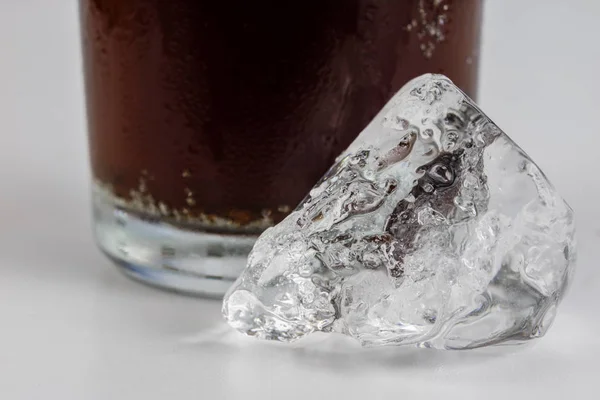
x=219 y=116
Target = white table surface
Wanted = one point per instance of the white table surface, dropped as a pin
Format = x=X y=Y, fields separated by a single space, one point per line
x=71 y=327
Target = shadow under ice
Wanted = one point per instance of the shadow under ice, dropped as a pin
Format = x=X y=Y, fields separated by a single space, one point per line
x=338 y=352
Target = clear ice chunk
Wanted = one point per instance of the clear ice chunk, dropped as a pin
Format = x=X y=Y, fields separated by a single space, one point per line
x=433 y=229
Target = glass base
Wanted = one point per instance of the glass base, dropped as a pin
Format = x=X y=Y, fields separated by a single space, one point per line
x=168 y=256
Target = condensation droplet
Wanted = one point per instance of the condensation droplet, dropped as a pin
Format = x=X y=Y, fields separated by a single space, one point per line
x=427 y=133
x=401 y=123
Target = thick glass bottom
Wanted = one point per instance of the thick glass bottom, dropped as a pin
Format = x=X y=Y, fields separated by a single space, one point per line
x=167 y=256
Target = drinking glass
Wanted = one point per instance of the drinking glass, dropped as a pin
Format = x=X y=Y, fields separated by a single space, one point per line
x=210 y=120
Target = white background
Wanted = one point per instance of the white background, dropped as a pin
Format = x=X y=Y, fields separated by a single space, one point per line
x=71 y=327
